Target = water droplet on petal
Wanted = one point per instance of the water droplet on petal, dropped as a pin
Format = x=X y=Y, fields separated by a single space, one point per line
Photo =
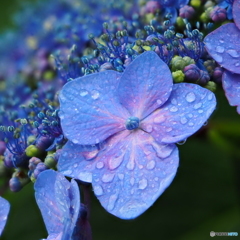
x=142 y=183
x=121 y=176
x=75 y=141
x=173 y=109
x=151 y=165
x=200 y=111
x=85 y=176
x=190 y=124
x=98 y=190
x=197 y=105
x=237 y=64
x=95 y=94
x=75 y=165
x=159 y=102
x=108 y=177
x=190 y=97
x=130 y=164
x=159 y=119
x=220 y=49
x=162 y=151
x=168 y=129
x=174 y=101
x=84 y=93
x=210 y=96
x=112 y=202
x=115 y=162
x=182 y=142
x=132 y=181
x=183 y=120
x=233 y=53
x=100 y=165
x=149 y=128
x=217 y=57
x=221 y=41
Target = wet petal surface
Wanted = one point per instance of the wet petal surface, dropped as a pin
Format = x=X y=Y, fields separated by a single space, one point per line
x=236 y=12
x=131 y=172
x=59 y=202
x=89 y=112
x=224 y=46
x=4 y=210
x=187 y=109
x=231 y=86
x=145 y=85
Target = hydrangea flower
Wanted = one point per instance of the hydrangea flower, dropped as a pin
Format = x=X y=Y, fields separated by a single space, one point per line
x=122 y=128
x=223 y=46
x=4 y=210
x=59 y=202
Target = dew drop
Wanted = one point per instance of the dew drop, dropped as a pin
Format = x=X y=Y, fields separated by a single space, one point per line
x=217 y=57
x=237 y=64
x=85 y=176
x=142 y=183
x=98 y=190
x=174 y=101
x=75 y=141
x=210 y=96
x=108 y=177
x=220 y=49
x=149 y=128
x=156 y=179
x=168 y=129
x=130 y=164
x=95 y=94
x=197 y=106
x=190 y=97
x=181 y=142
x=121 y=176
x=151 y=165
x=159 y=119
x=183 y=120
x=112 y=202
x=221 y=41
x=100 y=165
x=173 y=109
x=233 y=53
x=190 y=124
x=115 y=162
x=159 y=102
x=132 y=181
x=75 y=165
x=162 y=151
x=200 y=111
x=84 y=93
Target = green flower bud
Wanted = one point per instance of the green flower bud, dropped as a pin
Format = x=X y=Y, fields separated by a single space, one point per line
x=195 y=3
x=178 y=76
x=32 y=151
x=212 y=86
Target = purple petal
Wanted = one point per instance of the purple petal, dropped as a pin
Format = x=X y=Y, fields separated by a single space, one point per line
x=236 y=12
x=88 y=112
x=56 y=196
x=145 y=85
x=72 y=161
x=231 y=86
x=131 y=172
x=55 y=237
x=187 y=109
x=223 y=45
x=4 y=210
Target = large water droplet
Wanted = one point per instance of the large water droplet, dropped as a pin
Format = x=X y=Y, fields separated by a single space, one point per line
x=220 y=49
x=233 y=53
x=98 y=190
x=108 y=177
x=115 y=162
x=130 y=164
x=112 y=202
x=151 y=165
x=183 y=120
x=190 y=97
x=95 y=94
x=85 y=177
x=217 y=57
x=173 y=109
x=142 y=183
x=162 y=151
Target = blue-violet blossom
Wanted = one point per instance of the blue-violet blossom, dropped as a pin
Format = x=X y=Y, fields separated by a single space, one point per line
x=4 y=210
x=130 y=122
x=224 y=47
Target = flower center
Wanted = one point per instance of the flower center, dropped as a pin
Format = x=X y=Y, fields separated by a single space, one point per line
x=132 y=123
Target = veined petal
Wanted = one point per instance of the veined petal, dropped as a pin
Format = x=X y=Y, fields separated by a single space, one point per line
x=131 y=172
x=236 y=12
x=56 y=196
x=4 y=210
x=145 y=85
x=231 y=86
x=224 y=47
x=88 y=112
x=187 y=109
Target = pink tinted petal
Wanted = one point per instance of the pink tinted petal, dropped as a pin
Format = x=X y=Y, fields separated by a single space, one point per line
x=4 y=210
x=187 y=109
x=236 y=12
x=231 y=86
x=145 y=85
x=88 y=111
x=56 y=197
x=224 y=47
x=76 y=161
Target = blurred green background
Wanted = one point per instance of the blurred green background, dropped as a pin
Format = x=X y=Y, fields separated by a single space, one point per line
x=204 y=196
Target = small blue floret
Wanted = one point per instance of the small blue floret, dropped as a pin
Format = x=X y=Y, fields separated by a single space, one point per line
x=132 y=123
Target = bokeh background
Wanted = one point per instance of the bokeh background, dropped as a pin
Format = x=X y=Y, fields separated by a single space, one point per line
x=204 y=196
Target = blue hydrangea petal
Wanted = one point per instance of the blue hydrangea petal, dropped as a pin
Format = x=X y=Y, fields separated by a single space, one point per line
x=88 y=112
x=76 y=161
x=145 y=85
x=231 y=86
x=223 y=45
x=187 y=109
x=55 y=237
x=4 y=210
x=56 y=198
x=236 y=12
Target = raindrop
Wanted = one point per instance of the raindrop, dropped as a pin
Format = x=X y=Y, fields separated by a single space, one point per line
x=210 y=96
x=131 y=164
x=174 y=101
x=168 y=129
x=190 y=124
x=85 y=176
x=75 y=141
x=75 y=165
x=183 y=120
x=112 y=202
x=218 y=58
x=149 y=128
x=163 y=151
x=206 y=123
x=220 y=49
x=221 y=41
x=198 y=105
x=121 y=176
x=142 y=183
x=132 y=181
x=237 y=64
x=159 y=102
x=100 y=165
x=173 y=109
x=108 y=177
x=98 y=190
x=190 y=97
x=115 y=162
x=233 y=53
x=200 y=111
x=159 y=119
x=95 y=94
x=156 y=179
x=151 y=165
x=182 y=142
x=84 y=93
